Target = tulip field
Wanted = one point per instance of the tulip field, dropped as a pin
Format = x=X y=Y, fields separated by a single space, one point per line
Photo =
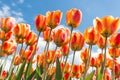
x=19 y=40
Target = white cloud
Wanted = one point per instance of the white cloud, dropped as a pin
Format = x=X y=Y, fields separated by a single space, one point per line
x=6 y=11
x=21 y=1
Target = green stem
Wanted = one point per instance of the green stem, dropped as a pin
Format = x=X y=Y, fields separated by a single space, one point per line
x=72 y=64
x=11 y=65
x=69 y=49
x=88 y=62
x=113 y=73
x=30 y=63
x=103 y=66
x=47 y=48
x=4 y=63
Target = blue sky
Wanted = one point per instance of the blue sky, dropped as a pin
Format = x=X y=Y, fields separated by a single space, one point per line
x=26 y=10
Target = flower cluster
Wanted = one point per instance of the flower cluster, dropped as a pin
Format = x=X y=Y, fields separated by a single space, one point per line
x=19 y=40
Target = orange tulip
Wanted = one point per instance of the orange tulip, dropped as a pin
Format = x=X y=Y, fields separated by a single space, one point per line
x=93 y=62
x=90 y=36
x=17 y=60
x=39 y=59
x=21 y=30
x=73 y=17
x=5 y=36
x=99 y=59
x=106 y=25
x=77 y=41
x=62 y=37
x=75 y=71
x=109 y=63
x=7 y=24
x=101 y=42
x=65 y=50
x=84 y=55
x=9 y=47
x=51 y=54
x=82 y=68
x=40 y=23
x=115 y=40
x=46 y=34
x=27 y=54
x=53 y=18
x=114 y=53
x=67 y=67
x=31 y=38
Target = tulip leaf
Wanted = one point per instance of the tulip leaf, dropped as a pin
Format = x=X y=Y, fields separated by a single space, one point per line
x=38 y=71
x=90 y=76
x=58 y=75
x=29 y=67
x=80 y=78
x=99 y=76
x=20 y=71
x=32 y=75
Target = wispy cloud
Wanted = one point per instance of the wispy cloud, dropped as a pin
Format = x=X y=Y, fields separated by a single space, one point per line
x=21 y=1
x=6 y=11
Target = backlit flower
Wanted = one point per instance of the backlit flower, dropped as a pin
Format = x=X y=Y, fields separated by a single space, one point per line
x=7 y=24
x=106 y=25
x=90 y=36
x=114 y=52
x=40 y=23
x=53 y=18
x=77 y=41
x=62 y=37
x=115 y=40
x=73 y=17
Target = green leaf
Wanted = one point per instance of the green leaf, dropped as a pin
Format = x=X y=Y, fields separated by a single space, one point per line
x=29 y=67
x=90 y=76
x=58 y=75
x=20 y=71
x=32 y=75
x=38 y=71
x=80 y=78
x=1 y=69
x=99 y=76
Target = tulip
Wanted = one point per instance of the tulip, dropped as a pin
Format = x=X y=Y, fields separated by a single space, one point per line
x=46 y=34
x=114 y=53
x=51 y=54
x=39 y=59
x=82 y=68
x=84 y=55
x=9 y=47
x=7 y=24
x=100 y=59
x=66 y=76
x=73 y=17
x=53 y=18
x=101 y=42
x=31 y=38
x=5 y=36
x=62 y=37
x=75 y=70
x=107 y=25
x=67 y=67
x=40 y=23
x=21 y=30
x=65 y=50
x=90 y=36
x=115 y=40
x=4 y=74
x=77 y=41
x=17 y=60
x=93 y=62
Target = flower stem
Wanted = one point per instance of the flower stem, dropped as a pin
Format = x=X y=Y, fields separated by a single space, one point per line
x=113 y=66
x=69 y=49
x=47 y=48
x=88 y=62
x=30 y=63
x=103 y=66
x=72 y=63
